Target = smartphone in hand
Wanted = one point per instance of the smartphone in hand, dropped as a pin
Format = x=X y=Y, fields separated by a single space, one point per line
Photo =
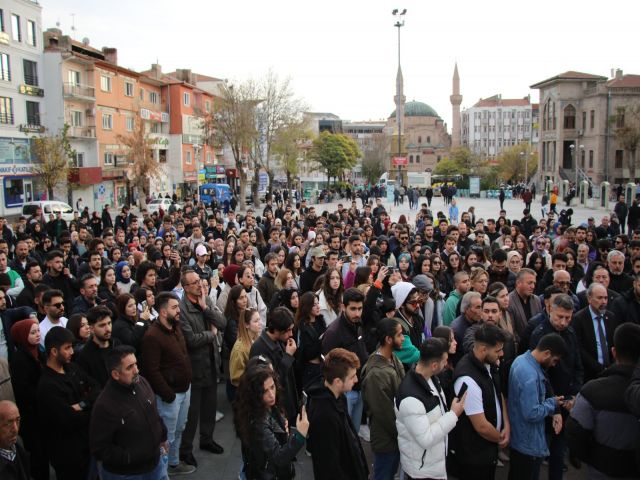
x=463 y=390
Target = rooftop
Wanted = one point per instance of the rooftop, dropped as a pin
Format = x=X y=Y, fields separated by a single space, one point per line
x=417 y=109
x=569 y=75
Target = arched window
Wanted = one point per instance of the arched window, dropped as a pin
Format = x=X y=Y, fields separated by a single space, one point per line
x=417 y=158
x=569 y=117
x=429 y=140
x=545 y=112
x=410 y=158
x=420 y=140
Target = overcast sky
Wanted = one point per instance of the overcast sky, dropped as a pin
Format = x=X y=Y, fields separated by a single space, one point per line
x=342 y=55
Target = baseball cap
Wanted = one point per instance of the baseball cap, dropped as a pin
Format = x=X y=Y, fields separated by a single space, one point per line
x=318 y=252
x=201 y=250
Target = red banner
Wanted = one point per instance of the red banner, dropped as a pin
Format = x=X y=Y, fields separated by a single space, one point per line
x=396 y=161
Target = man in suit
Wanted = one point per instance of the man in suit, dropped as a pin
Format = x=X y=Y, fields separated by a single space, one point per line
x=600 y=275
x=523 y=304
x=594 y=326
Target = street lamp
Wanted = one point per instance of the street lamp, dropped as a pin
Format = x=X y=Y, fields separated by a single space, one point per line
x=399 y=16
x=574 y=157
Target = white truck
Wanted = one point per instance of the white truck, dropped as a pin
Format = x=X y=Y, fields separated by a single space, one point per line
x=420 y=180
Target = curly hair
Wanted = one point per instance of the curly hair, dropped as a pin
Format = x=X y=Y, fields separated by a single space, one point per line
x=248 y=407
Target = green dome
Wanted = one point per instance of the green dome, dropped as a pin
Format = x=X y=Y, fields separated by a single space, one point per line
x=417 y=109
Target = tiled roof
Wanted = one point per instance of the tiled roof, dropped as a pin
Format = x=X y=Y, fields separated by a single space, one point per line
x=505 y=102
x=570 y=75
x=625 y=81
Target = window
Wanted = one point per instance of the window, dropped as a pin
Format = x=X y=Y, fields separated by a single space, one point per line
x=31 y=33
x=1 y=20
x=30 y=72
x=128 y=89
x=74 y=78
x=188 y=157
x=186 y=99
x=6 y=110
x=420 y=140
x=107 y=121
x=208 y=157
x=16 y=34
x=410 y=158
x=584 y=120
x=5 y=71
x=108 y=159
x=569 y=117
x=417 y=158
x=619 y=158
x=130 y=124
x=593 y=119
x=153 y=97
x=620 y=119
x=155 y=127
x=207 y=106
x=142 y=94
x=428 y=139
x=105 y=83
x=590 y=158
x=78 y=160
x=33 y=113
x=582 y=157
x=76 y=118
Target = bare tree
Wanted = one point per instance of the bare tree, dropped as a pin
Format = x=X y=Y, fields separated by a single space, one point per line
x=375 y=156
x=52 y=154
x=287 y=147
x=142 y=166
x=627 y=132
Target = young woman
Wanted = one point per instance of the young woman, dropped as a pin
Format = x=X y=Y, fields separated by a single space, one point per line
x=423 y=265
x=268 y=446
x=479 y=281
x=573 y=268
x=437 y=269
x=404 y=265
x=310 y=326
x=514 y=261
x=499 y=291
x=284 y=279
x=330 y=295
x=538 y=265
x=293 y=262
x=108 y=290
x=249 y=329
x=146 y=300
x=521 y=246
x=79 y=326
x=281 y=253
x=229 y=246
x=446 y=376
x=470 y=260
x=454 y=265
x=131 y=324
x=373 y=262
x=237 y=303
x=124 y=282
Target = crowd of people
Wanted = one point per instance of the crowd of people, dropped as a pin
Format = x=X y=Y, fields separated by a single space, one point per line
x=451 y=346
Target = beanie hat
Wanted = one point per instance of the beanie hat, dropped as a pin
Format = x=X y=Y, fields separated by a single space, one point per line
x=229 y=274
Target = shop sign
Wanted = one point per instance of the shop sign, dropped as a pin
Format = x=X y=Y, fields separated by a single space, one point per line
x=29 y=128
x=17 y=169
x=31 y=90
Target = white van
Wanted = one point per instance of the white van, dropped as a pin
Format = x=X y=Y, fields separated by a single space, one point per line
x=48 y=207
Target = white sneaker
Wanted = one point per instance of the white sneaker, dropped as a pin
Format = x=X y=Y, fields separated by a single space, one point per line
x=219 y=416
x=364 y=433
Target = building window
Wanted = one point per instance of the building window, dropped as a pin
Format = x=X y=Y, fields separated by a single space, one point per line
x=74 y=78
x=590 y=158
x=584 y=120
x=188 y=157
x=420 y=140
x=619 y=158
x=582 y=156
x=186 y=99
x=142 y=94
x=107 y=121
x=130 y=124
x=5 y=70
x=208 y=157
x=6 y=110
x=569 y=117
x=1 y=20
x=620 y=118
x=153 y=97
x=31 y=33
x=410 y=158
x=76 y=118
x=16 y=34
x=155 y=127
x=105 y=83
x=78 y=160
x=593 y=119
x=30 y=72
x=108 y=159
x=417 y=158
x=33 y=113
x=128 y=89
x=207 y=106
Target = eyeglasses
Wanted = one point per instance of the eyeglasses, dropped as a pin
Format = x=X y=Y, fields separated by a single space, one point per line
x=191 y=283
x=58 y=305
x=563 y=284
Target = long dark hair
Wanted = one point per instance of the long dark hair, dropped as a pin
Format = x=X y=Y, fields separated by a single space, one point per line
x=305 y=305
x=231 y=309
x=248 y=407
x=333 y=299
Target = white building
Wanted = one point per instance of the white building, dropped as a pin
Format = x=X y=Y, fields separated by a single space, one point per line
x=21 y=98
x=494 y=124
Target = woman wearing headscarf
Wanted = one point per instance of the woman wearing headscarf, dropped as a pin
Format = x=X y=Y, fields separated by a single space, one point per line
x=124 y=282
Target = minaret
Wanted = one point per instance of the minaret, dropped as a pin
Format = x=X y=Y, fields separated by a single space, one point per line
x=456 y=100
x=400 y=99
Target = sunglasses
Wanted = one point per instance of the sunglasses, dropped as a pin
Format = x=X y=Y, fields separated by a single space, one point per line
x=57 y=305
x=415 y=303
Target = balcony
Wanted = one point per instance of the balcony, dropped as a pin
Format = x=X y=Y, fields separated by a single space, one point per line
x=79 y=92
x=82 y=132
x=6 y=118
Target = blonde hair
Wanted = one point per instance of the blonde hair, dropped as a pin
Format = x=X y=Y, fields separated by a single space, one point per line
x=244 y=335
x=281 y=278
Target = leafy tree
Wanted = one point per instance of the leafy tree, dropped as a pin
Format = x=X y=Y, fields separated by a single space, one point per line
x=334 y=153
x=626 y=124
x=449 y=167
x=142 y=166
x=513 y=162
x=52 y=155
x=287 y=145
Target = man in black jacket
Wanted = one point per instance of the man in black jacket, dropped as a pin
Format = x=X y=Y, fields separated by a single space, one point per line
x=14 y=460
x=32 y=278
x=93 y=357
x=602 y=431
x=332 y=439
x=277 y=344
x=65 y=395
x=127 y=434
x=627 y=305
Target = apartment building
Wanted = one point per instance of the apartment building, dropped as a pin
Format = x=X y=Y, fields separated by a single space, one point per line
x=21 y=99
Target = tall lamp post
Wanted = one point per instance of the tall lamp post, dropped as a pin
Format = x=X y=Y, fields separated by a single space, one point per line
x=574 y=154
x=399 y=16
x=525 y=155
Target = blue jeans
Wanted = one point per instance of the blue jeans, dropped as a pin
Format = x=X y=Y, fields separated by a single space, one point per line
x=174 y=415
x=385 y=465
x=355 y=405
x=158 y=473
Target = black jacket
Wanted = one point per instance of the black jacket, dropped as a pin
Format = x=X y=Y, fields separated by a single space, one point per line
x=128 y=332
x=582 y=323
x=126 y=430
x=93 y=360
x=18 y=469
x=65 y=430
x=342 y=334
x=333 y=442
x=601 y=430
x=626 y=307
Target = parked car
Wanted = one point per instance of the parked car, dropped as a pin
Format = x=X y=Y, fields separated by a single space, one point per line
x=48 y=207
x=154 y=205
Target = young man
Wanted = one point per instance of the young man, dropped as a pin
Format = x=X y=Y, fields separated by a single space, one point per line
x=529 y=406
x=92 y=357
x=316 y=268
x=381 y=377
x=484 y=426
x=346 y=333
x=65 y=394
x=53 y=302
x=115 y=443
x=462 y=285
x=423 y=419
x=332 y=438
x=88 y=297
x=266 y=285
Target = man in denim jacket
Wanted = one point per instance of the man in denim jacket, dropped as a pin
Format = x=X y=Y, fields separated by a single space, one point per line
x=529 y=404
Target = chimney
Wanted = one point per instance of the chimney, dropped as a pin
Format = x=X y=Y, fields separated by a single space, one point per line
x=184 y=74
x=110 y=54
x=156 y=69
x=618 y=74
